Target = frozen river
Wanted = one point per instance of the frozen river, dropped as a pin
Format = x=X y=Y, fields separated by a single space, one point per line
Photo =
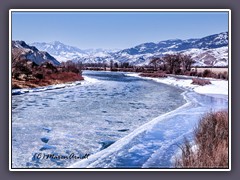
x=119 y=120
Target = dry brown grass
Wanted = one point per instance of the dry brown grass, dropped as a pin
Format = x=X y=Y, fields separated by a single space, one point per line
x=201 y=82
x=216 y=73
x=213 y=69
x=51 y=79
x=211 y=140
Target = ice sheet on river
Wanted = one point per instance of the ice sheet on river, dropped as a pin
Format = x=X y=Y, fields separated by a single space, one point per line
x=86 y=118
x=154 y=144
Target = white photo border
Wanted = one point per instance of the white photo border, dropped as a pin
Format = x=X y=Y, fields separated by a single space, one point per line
x=119 y=10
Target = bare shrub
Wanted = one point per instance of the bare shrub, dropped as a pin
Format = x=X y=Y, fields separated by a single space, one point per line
x=199 y=74
x=207 y=73
x=211 y=139
x=223 y=75
x=193 y=73
x=190 y=73
x=39 y=75
x=201 y=82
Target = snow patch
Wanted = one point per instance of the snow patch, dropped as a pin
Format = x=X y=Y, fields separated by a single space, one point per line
x=217 y=86
x=45 y=88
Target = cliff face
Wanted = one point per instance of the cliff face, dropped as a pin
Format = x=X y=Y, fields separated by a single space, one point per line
x=32 y=68
x=20 y=51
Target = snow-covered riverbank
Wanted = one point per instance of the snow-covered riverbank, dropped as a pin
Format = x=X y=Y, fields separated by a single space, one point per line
x=154 y=144
x=86 y=81
x=218 y=87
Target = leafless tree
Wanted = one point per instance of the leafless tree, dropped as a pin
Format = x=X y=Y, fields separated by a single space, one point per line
x=156 y=62
x=173 y=62
x=187 y=62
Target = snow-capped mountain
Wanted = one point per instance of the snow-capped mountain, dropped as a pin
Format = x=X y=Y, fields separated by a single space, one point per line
x=59 y=50
x=21 y=50
x=209 y=42
x=64 y=52
x=207 y=57
x=210 y=50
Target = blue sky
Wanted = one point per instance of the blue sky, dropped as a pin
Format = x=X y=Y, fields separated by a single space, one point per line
x=110 y=30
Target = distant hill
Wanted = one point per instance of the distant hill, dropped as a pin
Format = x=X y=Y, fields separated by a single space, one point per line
x=209 y=50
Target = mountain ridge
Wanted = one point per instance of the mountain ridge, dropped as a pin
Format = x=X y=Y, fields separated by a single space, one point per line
x=212 y=50
x=21 y=50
